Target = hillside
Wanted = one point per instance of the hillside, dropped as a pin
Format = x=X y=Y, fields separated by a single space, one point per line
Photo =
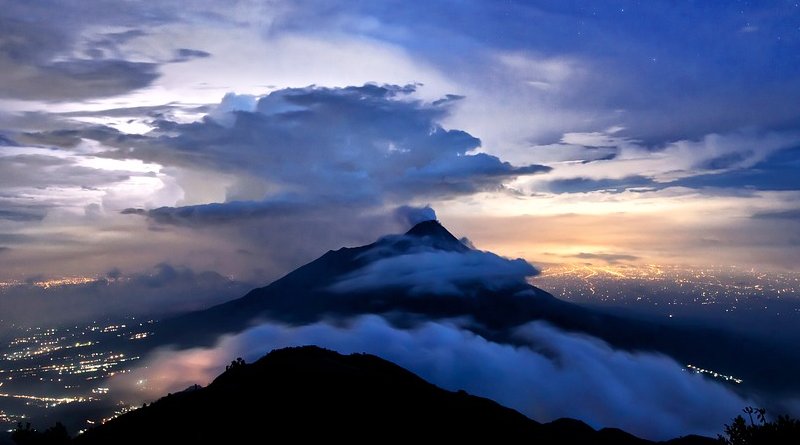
x=308 y=393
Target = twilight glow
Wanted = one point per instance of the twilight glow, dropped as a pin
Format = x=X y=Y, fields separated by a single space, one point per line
x=623 y=129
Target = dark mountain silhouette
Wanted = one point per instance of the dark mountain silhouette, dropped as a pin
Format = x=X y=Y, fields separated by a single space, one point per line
x=309 y=393
x=495 y=309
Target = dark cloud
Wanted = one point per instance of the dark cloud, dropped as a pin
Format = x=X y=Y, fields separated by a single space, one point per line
x=14 y=238
x=68 y=138
x=154 y=111
x=21 y=213
x=51 y=52
x=185 y=54
x=579 y=185
x=7 y=142
x=777 y=172
x=132 y=211
x=165 y=289
x=610 y=258
x=792 y=215
x=81 y=79
x=4 y=249
x=218 y=213
x=366 y=146
x=32 y=72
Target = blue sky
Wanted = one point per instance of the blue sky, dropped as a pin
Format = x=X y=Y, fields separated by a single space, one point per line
x=246 y=139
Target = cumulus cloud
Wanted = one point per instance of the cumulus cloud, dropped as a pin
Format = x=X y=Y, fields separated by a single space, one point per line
x=549 y=373
x=369 y=145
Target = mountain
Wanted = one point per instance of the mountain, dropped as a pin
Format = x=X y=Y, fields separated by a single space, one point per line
x=311 y=394
x=428 y=274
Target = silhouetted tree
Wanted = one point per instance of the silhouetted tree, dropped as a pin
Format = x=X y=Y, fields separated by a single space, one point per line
x=235 y=363
x=783 y=431
x=55 y=435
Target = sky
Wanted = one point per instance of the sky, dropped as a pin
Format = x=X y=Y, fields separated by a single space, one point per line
x=238 y=141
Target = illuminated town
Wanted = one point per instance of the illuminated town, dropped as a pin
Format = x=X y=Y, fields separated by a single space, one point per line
x=44 y=368
x=674 y=290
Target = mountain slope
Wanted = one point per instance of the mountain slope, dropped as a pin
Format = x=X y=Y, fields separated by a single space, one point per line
x=354 y=281
x=310 y=393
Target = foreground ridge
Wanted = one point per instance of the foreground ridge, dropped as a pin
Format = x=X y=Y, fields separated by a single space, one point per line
x=313 y=393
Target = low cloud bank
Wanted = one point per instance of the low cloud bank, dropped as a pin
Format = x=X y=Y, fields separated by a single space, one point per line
x=557 y=374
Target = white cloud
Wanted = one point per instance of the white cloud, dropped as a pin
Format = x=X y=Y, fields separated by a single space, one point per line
x=558 y=375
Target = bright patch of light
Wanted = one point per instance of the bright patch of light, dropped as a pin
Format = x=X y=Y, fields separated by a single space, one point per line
x=127 y=125
x=122 y=165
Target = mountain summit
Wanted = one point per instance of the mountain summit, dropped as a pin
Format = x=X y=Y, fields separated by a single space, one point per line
x=438 y=235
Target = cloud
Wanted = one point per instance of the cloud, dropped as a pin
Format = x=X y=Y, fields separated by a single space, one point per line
x=12 y=212
x=80 y=79
x=369 y=146
x=548 y=374
x=32 y=71
x=611 y=258
x=217 y=213
x=438 y=273
x=164 y=289
x=42 y=183
x=411 y=216
x=792 y=215
x=579 y=185
x=186 y=54
x=629 y=163
x=40 y=171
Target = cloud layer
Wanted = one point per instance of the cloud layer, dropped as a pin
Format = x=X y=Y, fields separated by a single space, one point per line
x=552 y=375
x=438 y=273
